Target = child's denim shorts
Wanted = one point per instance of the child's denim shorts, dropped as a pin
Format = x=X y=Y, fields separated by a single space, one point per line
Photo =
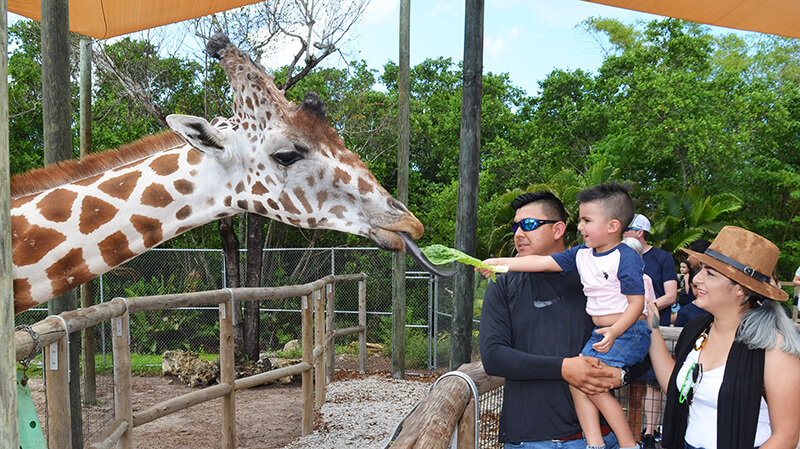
x=629 y=348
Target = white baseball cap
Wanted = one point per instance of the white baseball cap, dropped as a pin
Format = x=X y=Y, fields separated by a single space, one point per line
x=639 y=223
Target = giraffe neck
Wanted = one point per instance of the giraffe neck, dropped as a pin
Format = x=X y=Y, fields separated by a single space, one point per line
x=70 y=234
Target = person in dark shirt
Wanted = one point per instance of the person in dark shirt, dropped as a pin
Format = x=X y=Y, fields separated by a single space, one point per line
x=531 y=327
x=690 y=310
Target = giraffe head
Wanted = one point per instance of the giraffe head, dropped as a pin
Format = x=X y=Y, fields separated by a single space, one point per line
x=287 y=163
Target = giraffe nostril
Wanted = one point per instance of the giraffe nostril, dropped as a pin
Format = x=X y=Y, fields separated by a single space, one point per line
x=394 y=203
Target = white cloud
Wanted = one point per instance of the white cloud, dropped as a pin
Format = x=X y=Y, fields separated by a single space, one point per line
x=381 y=11
x=496 y=46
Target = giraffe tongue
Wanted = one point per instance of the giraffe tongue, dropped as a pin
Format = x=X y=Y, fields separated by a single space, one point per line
x=413 y=250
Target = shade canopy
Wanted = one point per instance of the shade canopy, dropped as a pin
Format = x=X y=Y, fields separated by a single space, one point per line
x=781 y=17
x=102 y=19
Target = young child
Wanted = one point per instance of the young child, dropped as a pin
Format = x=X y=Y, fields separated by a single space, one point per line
x=612 y=275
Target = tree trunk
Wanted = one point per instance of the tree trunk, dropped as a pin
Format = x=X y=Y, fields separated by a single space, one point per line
x=255 y=253
x=230 y=247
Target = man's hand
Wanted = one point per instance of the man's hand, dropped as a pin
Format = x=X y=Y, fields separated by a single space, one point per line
x=589 y=375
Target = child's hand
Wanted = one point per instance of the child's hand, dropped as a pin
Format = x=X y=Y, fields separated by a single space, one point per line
x=485 y=272
x=653 y=318
x=607 y=342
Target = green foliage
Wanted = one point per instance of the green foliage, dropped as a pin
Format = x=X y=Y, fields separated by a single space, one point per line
x=156 y=331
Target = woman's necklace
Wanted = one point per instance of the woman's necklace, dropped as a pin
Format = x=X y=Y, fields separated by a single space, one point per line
x=701 y=340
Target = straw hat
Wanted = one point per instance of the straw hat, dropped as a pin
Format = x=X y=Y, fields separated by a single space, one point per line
x=745 y=257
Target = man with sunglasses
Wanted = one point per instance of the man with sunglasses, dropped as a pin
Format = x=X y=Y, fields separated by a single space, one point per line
x=532 y=325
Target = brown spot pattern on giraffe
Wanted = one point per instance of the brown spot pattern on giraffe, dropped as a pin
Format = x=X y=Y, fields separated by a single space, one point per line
x=150 y=228
x=258 y=206
x=242 y=204
x=23 y=300
x=259 y=189
x=228 y=201
x=115 y=249
x=194 y=156
x=56 y=206
x=121 y=186
x=183 y=186
x=165 y=165
x=287 y=204
x=301 y=196
x=239 y=187
x=184 y=212
x=338 y=211
x=17 y=202
x=69 y=272
x=271 y=203
x=340 y=175
x=364 y=187
x=94 y=213
x=156 y=195
x=31 y=242
x=322 y=196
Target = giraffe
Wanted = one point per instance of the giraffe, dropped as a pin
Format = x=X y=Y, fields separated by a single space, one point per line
x=75 y=221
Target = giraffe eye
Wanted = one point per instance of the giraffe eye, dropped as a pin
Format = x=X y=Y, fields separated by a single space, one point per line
x=287 y=158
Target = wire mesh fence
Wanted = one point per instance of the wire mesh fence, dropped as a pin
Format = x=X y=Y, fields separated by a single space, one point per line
x=161 y=272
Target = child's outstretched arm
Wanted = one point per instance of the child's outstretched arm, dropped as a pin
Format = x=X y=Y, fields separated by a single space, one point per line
x=626 y=320
x=523 y=263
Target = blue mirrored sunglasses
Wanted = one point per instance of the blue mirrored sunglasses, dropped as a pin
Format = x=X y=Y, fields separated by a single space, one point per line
x=529 y=224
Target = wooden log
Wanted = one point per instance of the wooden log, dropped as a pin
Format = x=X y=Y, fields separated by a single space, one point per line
x=466 y=427
x=329 y=323
x=227 y=373
x=123 y=408
x=349 y=330
x=362 y=322
x=432 y=423
x=52 y=328
x=109 y=438
x=56 y=369
x=319 y=362
x=271 y=376
x=308 y=387
x=180 y=403
x=88 y=373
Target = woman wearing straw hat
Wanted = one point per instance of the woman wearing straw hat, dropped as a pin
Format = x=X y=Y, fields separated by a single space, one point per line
x=735 y=380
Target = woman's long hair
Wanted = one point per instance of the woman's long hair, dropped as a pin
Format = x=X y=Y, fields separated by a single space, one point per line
x=763 y=321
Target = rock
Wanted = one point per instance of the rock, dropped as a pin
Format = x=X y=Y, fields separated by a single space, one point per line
x=189 y=368
x=293 y=345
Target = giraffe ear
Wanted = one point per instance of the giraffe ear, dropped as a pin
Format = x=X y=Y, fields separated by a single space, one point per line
x=198 y=132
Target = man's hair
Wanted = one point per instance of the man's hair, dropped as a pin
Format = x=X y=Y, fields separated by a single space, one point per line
x=614 y=199
x=553 y=206
x=699 y=245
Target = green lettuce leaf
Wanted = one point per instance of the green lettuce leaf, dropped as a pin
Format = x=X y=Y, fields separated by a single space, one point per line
x=440 y=254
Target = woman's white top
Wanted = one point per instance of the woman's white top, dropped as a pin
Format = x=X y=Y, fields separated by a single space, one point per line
x=702 y=428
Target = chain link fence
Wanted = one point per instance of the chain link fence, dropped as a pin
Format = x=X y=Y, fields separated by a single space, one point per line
x=171 y=271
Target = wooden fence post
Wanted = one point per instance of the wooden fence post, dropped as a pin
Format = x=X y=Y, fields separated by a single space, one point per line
x=362 y=321
x=320 y=363
x=308 y=357
x=227 y=372
x=123 y=408
x=56 y=367
x=329 y=322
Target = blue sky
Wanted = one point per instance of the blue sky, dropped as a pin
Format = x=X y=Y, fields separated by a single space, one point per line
x=525 y=38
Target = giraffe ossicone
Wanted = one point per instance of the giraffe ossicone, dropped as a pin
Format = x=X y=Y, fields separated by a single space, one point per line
x=75 y=221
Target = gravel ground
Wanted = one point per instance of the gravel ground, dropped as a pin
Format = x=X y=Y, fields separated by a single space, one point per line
x=363 y=413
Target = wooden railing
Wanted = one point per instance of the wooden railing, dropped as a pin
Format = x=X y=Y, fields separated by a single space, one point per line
x=317 y=343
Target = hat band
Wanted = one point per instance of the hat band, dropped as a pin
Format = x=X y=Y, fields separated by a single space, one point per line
x=741 y=267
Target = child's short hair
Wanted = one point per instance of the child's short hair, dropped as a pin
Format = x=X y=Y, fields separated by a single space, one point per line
x=614 y=199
